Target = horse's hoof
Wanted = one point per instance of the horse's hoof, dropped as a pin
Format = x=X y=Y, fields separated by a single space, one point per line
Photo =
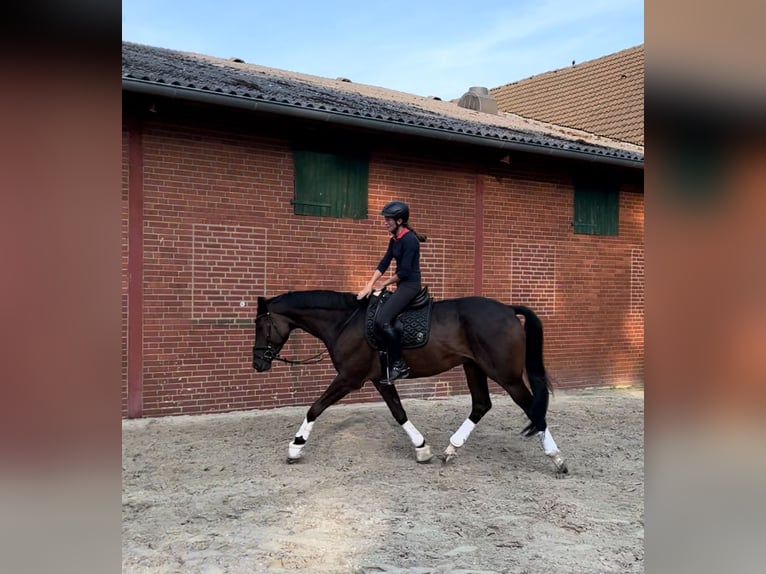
x=561 y=465
x=294 y=453
x=423 y=454
x=450 y=453
x=293 y=460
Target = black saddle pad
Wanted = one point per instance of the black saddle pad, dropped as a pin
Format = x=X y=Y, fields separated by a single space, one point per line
x=415 y=323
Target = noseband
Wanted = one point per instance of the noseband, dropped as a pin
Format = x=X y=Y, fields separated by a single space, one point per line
x=271 y=353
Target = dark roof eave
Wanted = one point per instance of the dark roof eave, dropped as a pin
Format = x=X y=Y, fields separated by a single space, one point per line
x=246 y=103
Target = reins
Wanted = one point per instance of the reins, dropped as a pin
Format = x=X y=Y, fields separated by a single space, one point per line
x=270 y=353
x=318 y=358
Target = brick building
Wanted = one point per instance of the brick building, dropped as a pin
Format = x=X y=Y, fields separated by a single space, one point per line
x=240 y=181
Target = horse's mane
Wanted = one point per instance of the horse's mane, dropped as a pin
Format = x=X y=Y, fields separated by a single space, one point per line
x=332 y=300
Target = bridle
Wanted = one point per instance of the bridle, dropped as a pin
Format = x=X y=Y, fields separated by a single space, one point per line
x=271 y=352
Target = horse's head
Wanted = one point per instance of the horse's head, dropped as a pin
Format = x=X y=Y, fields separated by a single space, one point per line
x=271 y=333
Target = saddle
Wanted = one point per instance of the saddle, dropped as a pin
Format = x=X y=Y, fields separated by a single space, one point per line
x=414 y=322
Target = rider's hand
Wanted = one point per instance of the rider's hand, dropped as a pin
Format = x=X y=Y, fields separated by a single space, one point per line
x=364 y=293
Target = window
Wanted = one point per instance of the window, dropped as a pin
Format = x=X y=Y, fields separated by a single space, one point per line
x=596 y=207
x=330 y=184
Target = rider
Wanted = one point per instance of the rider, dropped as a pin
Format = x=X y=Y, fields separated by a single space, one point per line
x=404 y=247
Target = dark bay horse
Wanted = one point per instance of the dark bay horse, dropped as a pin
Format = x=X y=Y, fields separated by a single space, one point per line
x=483 y=335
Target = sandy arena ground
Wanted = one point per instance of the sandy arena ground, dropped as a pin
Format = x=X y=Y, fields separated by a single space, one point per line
x=213 y=493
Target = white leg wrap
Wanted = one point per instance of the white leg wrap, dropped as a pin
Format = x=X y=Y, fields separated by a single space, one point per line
x=294 y=451
x=458 y=439
x=552 y=451
x=305 y=429
x=547 y=442
x=413 y=433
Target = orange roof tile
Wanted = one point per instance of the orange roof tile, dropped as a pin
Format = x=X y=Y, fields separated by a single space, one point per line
x=604 y=96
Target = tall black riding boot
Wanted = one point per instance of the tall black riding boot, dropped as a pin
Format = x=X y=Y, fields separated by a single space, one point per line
x=397 y=368
x=384 y=367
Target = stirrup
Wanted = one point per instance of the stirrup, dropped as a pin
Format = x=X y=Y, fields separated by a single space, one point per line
x=399 y=370
x=384 y=380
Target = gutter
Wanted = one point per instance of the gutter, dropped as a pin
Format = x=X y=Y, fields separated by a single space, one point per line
x=344 y=119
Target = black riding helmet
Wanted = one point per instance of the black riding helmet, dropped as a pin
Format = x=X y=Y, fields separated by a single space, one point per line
x=397 y=210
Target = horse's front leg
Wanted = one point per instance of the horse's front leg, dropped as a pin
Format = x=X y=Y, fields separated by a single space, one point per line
x=295 y=448
x=391 y=396
x=339 y=388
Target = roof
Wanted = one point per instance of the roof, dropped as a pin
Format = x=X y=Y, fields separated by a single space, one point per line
x=604 y=96
x=217 y=81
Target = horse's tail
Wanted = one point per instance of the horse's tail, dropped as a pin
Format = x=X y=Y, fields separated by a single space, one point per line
x=538 y=377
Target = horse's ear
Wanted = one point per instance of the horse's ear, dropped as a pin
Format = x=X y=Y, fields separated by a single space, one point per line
x=261 y=308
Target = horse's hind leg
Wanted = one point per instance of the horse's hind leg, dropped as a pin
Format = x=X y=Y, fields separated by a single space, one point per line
x=522 y=397
x=391 y=396
x=339 y=388
x=480 y=405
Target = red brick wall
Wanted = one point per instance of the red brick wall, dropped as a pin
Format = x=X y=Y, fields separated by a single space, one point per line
x=219 y=231
x=587 y=289
x=124 y=256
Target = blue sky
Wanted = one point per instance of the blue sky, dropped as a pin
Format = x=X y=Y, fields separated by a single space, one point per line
x=424 y=47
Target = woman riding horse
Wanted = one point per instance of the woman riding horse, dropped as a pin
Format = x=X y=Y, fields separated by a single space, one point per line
x=483 y=335
x=404 y=247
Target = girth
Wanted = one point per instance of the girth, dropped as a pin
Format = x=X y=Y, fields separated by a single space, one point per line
x=414 y=321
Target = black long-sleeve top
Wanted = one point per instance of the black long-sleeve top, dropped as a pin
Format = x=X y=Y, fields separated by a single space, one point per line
x=406 y=252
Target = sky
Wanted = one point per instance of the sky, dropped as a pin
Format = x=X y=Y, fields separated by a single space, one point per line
x=422 y=47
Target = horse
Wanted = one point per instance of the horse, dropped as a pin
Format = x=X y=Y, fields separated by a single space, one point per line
x=483 y=335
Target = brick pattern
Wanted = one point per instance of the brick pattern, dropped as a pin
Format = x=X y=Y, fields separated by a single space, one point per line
x=534 y=277
x=219 y=228
x=228 y=271
x=432 y=266
x=637 y=282
x=124 y=259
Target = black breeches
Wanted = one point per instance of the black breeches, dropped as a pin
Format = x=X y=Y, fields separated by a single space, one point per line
x=405 y=292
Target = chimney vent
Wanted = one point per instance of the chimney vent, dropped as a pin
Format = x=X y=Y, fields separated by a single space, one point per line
x=478 y=98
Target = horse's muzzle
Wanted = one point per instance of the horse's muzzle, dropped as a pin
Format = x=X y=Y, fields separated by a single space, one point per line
x=263 y=363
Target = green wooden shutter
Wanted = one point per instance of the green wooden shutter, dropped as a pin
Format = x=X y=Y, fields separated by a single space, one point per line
x=596 y=208
x=330 y=185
